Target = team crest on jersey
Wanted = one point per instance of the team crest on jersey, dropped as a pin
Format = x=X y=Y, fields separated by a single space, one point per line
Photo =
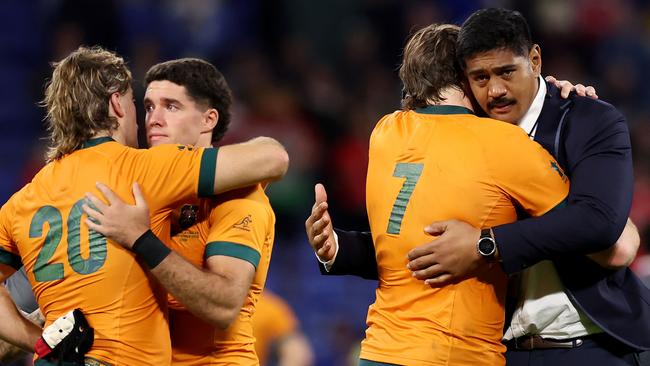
x=244 y=224
x=559 y=171
x=188 y=216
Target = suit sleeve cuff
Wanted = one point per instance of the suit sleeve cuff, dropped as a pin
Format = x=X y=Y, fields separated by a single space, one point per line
x=503 y=239
x=328 y=265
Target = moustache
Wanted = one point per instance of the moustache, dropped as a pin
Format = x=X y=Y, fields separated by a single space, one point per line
x=501 y=102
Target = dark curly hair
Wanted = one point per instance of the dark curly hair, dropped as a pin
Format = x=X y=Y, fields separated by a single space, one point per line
x=493 y=29
x=204 y=84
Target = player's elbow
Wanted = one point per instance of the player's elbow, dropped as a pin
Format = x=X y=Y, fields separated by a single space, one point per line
x=223 y=317
x=605 y=226
x=626 y=246
x=610 y=233
x=622 y=259
x=278 y=163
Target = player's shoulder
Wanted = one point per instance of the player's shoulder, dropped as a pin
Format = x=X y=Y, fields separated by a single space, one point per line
x=244 y=197
x=493 y=131
x=393 y=125
x=390 y=120
x=168 y=149
x=594 y=114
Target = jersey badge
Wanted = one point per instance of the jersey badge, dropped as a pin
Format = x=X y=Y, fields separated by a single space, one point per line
x=188 y=216
x=244 y=224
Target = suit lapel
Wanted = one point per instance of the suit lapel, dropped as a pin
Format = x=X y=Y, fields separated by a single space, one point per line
x=549 y=118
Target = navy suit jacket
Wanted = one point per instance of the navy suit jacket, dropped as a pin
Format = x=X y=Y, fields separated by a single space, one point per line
x=591 y=142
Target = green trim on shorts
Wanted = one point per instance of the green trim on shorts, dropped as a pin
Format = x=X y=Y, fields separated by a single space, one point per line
x=207 y=171
x=233 y=250
x=363 y=362
x=10 y=259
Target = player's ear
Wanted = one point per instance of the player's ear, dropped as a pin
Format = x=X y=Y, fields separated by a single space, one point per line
x=115 y=105
x=535 y=57
x=210 y=119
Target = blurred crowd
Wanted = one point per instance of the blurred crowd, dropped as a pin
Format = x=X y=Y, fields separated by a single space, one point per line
x=316 y=75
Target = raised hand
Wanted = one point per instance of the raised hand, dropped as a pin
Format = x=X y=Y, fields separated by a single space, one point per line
x=318 y=226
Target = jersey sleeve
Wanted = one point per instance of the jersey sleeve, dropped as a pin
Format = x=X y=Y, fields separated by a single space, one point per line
x=174 y=173
x=8 y=250
x=528 y=173
x=241 y=223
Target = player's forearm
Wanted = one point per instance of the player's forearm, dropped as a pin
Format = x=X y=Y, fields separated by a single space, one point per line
x=205 y=294
x=10 y=352
x=262 y=159
x=14 y=328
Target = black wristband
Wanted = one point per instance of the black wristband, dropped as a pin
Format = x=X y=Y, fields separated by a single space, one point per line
x=150 y=249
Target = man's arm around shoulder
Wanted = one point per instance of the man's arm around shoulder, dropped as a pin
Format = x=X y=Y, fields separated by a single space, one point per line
x=596 y=152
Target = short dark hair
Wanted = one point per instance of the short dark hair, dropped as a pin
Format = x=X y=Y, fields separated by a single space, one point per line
x=493 y=29
x=204 y=84
x=429 y=65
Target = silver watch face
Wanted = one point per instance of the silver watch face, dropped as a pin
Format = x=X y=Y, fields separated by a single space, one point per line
x=486 y=247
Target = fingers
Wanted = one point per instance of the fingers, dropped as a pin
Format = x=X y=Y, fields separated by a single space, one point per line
x=317 y=213
x=319 y=241
x=586 y=91
x=421 y=262
x=551 y=79
x=565 y=88
x=591 y=92
x=95 y=203
x=420 y=251
x=442 y=280
x=108 y=193
x=139 y=197
x=95 y=227
x=319 y=226
x=321 y=195
x=322 y=252
x=436 y=228
x=428 y=273
x=93 y=215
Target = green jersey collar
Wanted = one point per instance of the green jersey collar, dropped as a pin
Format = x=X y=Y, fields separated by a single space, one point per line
x=96 y=141
x=443 y=109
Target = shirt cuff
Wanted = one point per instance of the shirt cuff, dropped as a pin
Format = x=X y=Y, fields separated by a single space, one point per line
x=328 y=265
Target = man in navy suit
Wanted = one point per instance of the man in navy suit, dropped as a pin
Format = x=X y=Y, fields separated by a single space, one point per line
x=568 y=309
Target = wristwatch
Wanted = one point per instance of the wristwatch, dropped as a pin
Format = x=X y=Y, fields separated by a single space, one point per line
x=486 y=246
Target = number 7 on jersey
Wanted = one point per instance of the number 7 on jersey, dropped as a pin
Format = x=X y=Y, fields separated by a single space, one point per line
x=412 y=172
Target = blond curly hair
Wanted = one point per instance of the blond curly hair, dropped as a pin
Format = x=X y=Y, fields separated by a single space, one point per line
x=77 y=98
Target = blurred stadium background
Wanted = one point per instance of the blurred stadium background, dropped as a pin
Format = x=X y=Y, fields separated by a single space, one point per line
x=315 y=75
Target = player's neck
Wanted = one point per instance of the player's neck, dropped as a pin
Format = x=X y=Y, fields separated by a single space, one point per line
x=103 y=134
x=453 y=96
x=205 y=140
